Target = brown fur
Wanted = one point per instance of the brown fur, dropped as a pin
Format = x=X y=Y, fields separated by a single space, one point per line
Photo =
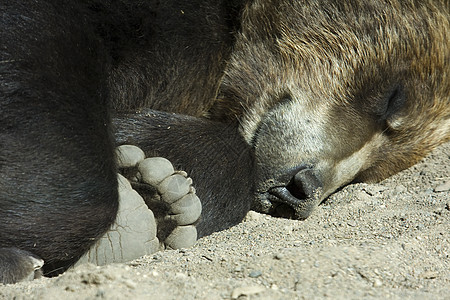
x=308 y=81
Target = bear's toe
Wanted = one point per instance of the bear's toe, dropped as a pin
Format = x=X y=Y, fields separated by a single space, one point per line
x=181 y=237
x=186 y=210
x=154 y=170
x=174 y=187
x=176 y=206
x=129 y=156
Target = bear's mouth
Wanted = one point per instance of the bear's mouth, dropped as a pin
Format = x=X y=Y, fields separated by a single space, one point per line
x=282 y=202
x=294 y=195
x=289 y=195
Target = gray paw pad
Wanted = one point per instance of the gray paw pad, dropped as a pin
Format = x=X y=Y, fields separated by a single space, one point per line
x=187 y=210
x=132 y=235
x=174 y=188
x=153 y=170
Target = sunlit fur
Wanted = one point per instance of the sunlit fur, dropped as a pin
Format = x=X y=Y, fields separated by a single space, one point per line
x=306 y=77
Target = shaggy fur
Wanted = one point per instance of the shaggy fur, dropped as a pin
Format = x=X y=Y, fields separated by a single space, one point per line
x=352 y=90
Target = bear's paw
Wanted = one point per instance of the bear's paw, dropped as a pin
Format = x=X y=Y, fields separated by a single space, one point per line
x=158 y=209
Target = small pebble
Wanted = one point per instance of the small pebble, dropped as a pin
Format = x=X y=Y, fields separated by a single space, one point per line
x=363 y=196
x=351 y=223
x=253 y=216
x=180 y=275
x=377 y=283
x=130 y=283
x=255 y=274
x=443 y=187
x=373 y=189
x=246 y=291
x=279 y=256
x=399 y=189
x=429 y=191
x=429 y=275
x=238 y=269
x=438 y=211
x=100 y=293
x=207 y=257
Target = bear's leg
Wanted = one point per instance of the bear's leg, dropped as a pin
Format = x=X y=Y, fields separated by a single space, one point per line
x=52 y=206
x=58 y=182
x=162 y=215
x=214 y=154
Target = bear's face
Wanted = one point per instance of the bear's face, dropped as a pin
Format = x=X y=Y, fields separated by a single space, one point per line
x=331 y=92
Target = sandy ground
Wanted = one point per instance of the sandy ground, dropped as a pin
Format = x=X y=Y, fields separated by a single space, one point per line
x=379 y=241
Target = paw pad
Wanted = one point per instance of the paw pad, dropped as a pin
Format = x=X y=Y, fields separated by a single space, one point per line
x=132 y=235
x=129 y=156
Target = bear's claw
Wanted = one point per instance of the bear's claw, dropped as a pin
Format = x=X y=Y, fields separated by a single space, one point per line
x=19 y=265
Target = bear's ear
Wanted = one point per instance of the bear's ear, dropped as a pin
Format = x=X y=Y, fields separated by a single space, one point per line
x=389 y=103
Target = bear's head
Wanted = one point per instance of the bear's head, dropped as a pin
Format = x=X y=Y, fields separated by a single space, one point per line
x=329 y=92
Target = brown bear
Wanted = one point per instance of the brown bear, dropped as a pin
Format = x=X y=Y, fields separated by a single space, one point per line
x=278 y=103
x=328 y=92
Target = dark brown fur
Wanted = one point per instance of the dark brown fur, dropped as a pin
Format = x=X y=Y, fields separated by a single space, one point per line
x=66 y=67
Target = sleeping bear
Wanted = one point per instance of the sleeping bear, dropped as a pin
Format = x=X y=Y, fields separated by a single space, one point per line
x=329 y=92
x=269 y=104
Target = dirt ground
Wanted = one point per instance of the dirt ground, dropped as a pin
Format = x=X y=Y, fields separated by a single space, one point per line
x=379 y=241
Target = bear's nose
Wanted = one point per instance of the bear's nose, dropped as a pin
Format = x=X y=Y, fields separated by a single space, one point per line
x=302 y=194
x=304 y=184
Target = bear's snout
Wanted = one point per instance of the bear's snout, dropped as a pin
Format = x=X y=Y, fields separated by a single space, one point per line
x=301 y=195
x=293 y=193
